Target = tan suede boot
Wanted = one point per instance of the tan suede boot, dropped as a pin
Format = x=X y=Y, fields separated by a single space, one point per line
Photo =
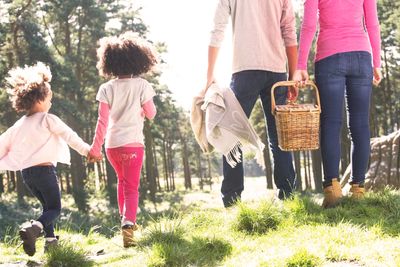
x=332 y=194
x=357 y=191
x=128 y=235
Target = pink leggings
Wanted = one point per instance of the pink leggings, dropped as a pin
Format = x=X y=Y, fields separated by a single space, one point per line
x=127 y=163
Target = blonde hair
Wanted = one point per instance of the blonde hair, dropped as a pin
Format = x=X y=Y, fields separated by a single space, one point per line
x=28 y=85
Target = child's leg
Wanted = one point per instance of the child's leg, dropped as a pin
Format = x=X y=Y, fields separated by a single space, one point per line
x=115 y=160
x=43 y=183
x=132 y=159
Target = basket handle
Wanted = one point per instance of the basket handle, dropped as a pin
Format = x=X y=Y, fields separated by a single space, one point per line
x=293 y=83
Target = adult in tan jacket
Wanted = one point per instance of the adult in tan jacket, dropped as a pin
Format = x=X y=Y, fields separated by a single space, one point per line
x=264 y=41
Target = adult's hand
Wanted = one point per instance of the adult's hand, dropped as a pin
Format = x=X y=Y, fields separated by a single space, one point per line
x=299 y=76
x=377 y=76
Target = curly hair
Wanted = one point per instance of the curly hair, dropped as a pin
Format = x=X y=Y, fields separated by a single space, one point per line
x=127 y=54
x=28 y=86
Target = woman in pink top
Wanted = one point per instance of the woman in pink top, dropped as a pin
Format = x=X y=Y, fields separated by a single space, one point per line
x=124 y=101
x=344 y=69
x=34 y=144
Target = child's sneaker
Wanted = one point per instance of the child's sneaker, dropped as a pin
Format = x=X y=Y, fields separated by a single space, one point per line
x=29 y=234
x=50 y=243
x=128 y=235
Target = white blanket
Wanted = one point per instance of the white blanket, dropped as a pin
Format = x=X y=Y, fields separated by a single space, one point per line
x=218 y=121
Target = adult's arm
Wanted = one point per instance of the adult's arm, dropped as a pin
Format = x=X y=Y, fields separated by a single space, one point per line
x=308 y=29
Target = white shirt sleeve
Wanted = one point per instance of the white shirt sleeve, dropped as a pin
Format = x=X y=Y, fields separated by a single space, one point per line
x=58 y=127
x=221 y=19
x=147 y=93
x=102 y=95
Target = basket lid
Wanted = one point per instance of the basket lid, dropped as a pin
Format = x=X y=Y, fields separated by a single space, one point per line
x=296 y=108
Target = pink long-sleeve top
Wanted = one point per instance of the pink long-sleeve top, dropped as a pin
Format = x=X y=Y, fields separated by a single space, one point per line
x=344 y=26
x=148 y=110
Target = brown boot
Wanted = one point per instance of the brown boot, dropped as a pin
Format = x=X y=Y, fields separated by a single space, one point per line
x=29 y=233
x=128 y=235
x=357 y=191
x=332 y=194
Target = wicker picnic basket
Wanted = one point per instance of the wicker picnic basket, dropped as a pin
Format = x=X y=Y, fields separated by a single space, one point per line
x=297 y=125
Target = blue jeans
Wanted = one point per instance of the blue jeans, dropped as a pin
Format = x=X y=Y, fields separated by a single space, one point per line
x=339 y=77
x=247 y=87
x=42 y=181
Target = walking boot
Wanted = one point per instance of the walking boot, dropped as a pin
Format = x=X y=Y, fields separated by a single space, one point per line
x=357 y=191
x=332 y=194
x=128 y=235
x=29 y=234
x=50 y=243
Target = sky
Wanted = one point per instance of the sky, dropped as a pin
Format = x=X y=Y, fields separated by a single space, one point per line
x=185 y=25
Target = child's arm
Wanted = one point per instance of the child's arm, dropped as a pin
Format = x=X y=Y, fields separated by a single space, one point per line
x=58 y=127
x=101 y=129
x=149 y=109
x=4 y=143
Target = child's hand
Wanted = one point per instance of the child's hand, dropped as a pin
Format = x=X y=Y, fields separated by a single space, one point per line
x=93 y=158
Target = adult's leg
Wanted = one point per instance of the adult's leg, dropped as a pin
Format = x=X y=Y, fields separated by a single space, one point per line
x=246 y=86
x=358 y=94
x=330 y=74
x=284 y=174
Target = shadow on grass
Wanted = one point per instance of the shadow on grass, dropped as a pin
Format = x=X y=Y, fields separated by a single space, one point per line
x=381 y=209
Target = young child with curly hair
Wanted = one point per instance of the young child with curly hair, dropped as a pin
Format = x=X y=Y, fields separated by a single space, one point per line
x=124 y=102
x=34 y=144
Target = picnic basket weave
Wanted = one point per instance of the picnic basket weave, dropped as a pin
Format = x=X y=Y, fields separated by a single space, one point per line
x=297 y=125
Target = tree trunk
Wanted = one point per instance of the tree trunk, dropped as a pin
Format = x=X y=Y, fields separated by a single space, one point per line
x=165 y=163
x=150 y=166
x=317 y=169
x=20 y=187
x=186 y=167
x=78 y=174
x=267 y=161
x=297 y=165
x=1 y=183
x=305 y=163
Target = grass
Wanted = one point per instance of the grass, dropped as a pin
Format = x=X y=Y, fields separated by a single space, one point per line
x=296 y=232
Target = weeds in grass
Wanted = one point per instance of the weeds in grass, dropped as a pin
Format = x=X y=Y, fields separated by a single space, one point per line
x=303 y=258
x=258 y=220
x=67 y=255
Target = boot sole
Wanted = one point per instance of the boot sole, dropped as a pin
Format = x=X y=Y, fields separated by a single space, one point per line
x=25 y=239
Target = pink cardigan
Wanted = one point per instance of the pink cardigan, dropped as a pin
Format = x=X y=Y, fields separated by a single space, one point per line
x=344 y=26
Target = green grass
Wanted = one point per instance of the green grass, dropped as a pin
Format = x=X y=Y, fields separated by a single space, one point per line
x=296 y=232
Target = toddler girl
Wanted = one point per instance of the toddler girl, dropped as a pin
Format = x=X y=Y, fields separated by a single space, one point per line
x=34 y=144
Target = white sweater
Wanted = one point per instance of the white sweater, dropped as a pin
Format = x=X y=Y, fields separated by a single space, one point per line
x=261 y=29
x=36 y=139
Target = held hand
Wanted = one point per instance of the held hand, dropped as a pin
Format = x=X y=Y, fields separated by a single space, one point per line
x=300 y=77
x=93 y=158
x=377 y=76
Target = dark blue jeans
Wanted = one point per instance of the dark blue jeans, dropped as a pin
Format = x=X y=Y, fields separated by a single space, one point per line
x=42 y=181
x=247 y=87
x=345 y=76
